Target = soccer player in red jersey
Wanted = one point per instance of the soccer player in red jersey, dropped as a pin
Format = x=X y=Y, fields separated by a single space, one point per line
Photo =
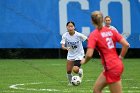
x=104 y=39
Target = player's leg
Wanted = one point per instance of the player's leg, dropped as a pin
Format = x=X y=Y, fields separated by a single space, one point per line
x=114 y=76
x=115 y=87
x=77 y=68
x=100 y=84
x=69 y=70
x=81 y=73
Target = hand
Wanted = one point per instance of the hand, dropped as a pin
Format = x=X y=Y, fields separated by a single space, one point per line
x=82 y=61
x=120 y=57
x=68 y=48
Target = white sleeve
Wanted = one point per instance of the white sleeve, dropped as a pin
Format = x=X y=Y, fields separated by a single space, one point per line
x=83 y=37
x=113 y=28
x=63 y=40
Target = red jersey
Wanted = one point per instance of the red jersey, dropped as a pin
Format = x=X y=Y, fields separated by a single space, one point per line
x=105 y=42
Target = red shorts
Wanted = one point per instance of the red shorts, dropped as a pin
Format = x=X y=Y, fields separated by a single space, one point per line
x=114 y=75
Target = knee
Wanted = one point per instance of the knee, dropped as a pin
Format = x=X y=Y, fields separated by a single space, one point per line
x=75 y=69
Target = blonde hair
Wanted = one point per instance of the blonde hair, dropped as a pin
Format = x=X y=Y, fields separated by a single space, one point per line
x=97 y=19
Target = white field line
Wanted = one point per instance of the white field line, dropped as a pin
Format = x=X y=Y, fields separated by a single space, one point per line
x=10 y=91
x=17 y=86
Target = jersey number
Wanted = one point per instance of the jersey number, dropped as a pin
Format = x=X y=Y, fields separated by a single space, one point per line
x=110 y=43
x=74 y=47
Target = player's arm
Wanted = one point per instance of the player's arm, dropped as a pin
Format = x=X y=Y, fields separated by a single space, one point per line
x=90 y=50
x=125 y=46
x=88 y=55
x=83 y=37
x=65 y=48
x=63 y=41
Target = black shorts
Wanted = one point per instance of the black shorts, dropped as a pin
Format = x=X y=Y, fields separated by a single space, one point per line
x=77 y=63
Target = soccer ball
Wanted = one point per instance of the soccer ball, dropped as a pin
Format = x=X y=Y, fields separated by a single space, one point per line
x=76 y=80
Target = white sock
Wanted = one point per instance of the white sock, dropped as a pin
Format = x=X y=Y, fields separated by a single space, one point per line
x=69 y=77
x=80 y=72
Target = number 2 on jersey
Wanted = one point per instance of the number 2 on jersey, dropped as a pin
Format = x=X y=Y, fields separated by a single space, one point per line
x=110 y=43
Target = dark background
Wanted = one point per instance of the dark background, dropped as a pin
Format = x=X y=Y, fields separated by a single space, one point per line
x=30 y=53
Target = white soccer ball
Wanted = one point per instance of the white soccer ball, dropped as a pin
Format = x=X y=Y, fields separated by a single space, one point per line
x=76 y=80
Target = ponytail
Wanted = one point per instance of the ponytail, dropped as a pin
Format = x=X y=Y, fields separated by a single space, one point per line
x=97 y=19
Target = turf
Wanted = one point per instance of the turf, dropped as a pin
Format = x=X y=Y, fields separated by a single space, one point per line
x=49 y=76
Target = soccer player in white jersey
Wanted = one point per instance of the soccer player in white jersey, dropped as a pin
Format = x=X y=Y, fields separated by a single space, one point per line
x=72 y=42
x=107 y=21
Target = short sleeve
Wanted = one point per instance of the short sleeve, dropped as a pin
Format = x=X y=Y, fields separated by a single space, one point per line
x=92 y=41
x=83 y=37
x=113 y=28
x=63 y=40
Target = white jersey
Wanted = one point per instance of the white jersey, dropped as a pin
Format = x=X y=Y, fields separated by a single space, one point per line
x=74 y=42
x=113 y=28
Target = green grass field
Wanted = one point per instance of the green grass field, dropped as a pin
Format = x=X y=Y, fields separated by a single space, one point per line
x=49 y=76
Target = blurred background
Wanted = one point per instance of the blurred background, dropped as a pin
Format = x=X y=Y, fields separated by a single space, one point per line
x=33 y=28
